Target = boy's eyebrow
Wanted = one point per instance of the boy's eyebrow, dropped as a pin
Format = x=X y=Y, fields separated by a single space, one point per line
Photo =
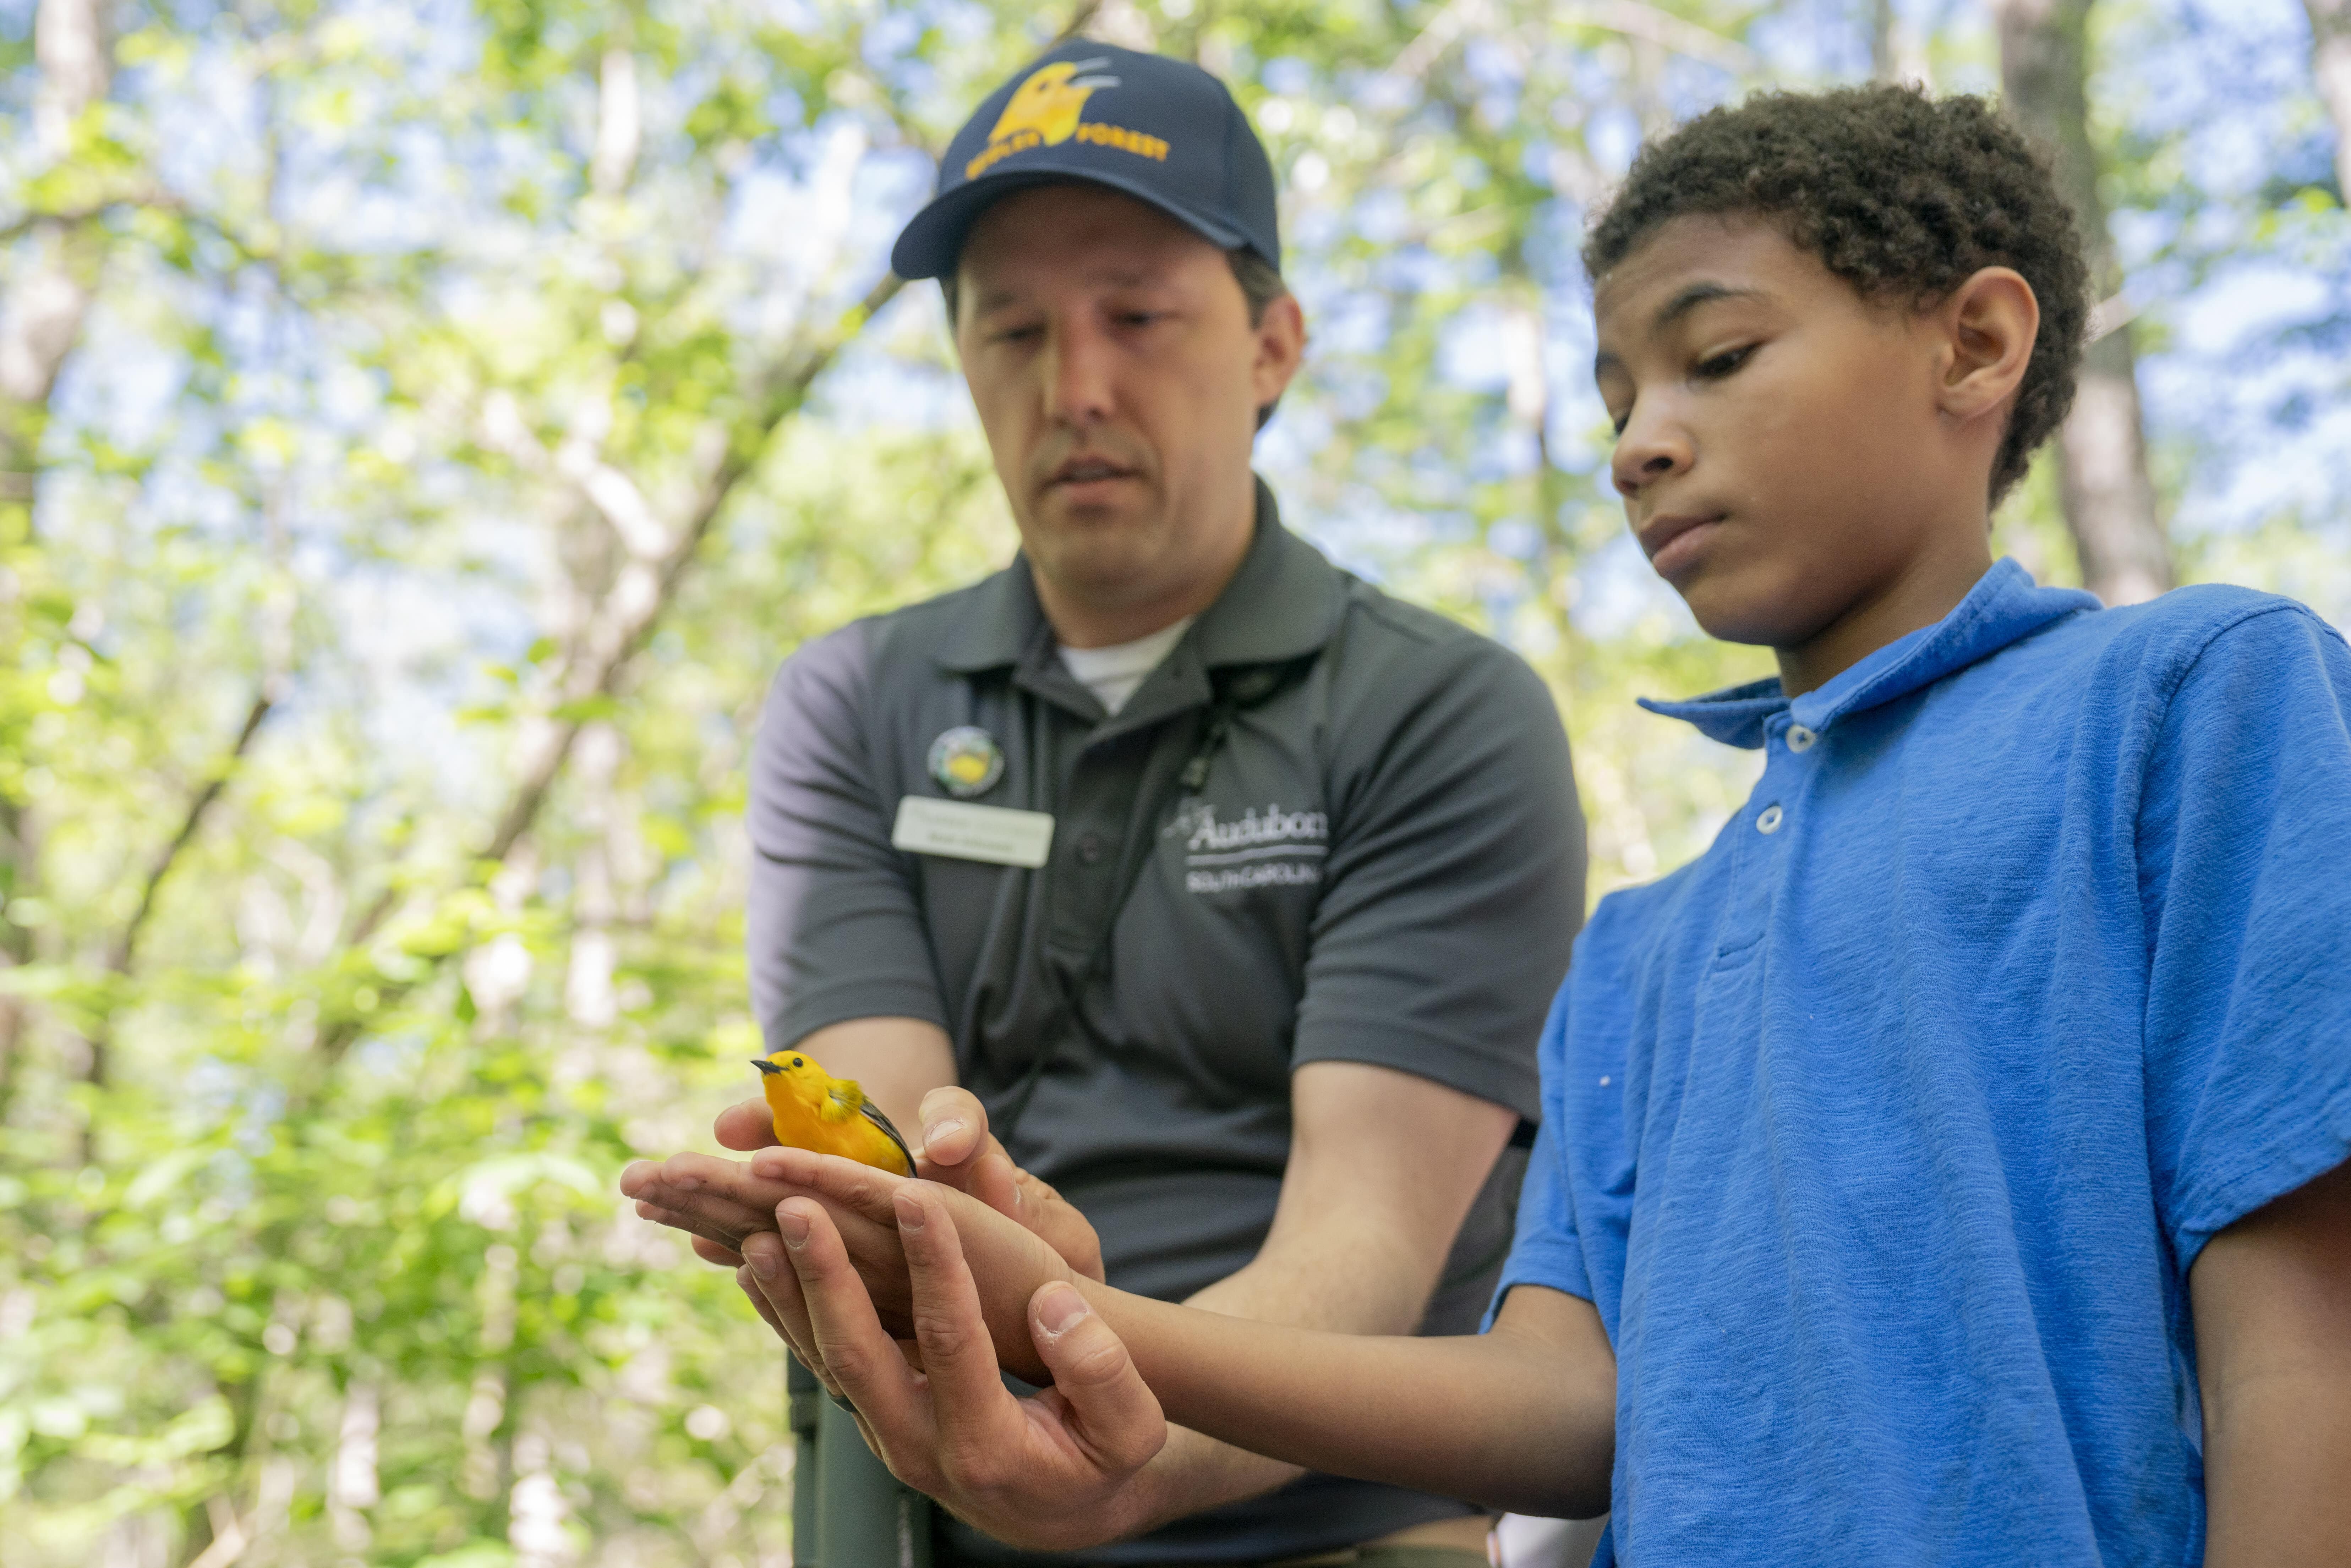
x=1673 y=310
x=1691 y=298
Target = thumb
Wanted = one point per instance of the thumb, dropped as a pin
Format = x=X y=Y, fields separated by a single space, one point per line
x=1111 y=1411
x=954 y=1125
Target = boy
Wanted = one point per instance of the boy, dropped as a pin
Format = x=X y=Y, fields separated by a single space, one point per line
x=1948 y=1166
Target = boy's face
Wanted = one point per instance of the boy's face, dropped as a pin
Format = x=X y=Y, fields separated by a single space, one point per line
x=1784 y=447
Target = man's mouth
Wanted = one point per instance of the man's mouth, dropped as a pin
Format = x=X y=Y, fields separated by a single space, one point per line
x=1088 y=471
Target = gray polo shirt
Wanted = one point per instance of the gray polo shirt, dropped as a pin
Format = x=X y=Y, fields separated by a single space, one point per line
x=1382 y=863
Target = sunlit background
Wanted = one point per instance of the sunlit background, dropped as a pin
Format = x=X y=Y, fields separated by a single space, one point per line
x=424 y=427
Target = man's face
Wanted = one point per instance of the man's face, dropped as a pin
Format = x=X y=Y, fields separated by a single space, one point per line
x=1777 y=444
x=1112 y=359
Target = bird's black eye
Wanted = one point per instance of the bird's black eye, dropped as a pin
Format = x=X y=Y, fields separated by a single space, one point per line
x=798 y=1063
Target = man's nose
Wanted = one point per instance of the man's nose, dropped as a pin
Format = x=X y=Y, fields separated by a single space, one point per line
x=1078 y=374
x=1653 y=446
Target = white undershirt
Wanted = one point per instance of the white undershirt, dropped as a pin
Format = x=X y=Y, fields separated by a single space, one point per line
x=1112 y=674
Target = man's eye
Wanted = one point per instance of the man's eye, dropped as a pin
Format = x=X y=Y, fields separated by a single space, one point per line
x=1138 y=318
x=1716 y=367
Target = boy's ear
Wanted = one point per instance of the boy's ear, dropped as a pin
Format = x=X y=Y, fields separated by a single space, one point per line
x=1988 y=325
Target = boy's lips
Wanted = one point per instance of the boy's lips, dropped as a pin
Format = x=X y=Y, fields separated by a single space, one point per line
x=1672 y=542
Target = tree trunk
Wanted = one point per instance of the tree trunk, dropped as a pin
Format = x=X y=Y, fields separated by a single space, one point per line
x=40 y=321
x=2330 y=65
x=47 y=300
x=2108 y=500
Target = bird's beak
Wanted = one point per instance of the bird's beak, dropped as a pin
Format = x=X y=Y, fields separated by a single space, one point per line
x=764 y=1065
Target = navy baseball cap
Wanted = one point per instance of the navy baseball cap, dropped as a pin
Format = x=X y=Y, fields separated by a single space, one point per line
x=1161 y=131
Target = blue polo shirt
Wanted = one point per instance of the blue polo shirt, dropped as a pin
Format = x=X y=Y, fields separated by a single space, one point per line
x=1882 y=1136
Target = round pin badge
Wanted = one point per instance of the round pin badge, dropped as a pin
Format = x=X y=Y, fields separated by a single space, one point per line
x=967 y=761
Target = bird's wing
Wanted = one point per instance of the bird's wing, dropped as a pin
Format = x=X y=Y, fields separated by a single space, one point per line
x=874 y=1115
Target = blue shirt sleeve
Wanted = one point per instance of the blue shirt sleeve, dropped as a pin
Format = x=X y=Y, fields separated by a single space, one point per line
x=2244 y=842
x=1546 y=1249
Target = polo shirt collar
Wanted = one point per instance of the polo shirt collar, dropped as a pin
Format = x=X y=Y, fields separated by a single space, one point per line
x=1283 y=602
x=2004 y=607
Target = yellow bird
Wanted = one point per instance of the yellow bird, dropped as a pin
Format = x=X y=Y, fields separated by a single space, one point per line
x=830 y=1116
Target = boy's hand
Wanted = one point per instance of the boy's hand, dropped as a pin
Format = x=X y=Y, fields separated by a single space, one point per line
x=722 y=1202
x=863 y=1208
x=1053 y=1473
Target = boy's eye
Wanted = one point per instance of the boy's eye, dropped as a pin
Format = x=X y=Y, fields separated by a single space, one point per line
x=1018 y=334
x=1617 y=421
x=1716 y=366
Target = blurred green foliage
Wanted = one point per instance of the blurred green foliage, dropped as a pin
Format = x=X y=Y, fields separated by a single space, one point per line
x=474 y=403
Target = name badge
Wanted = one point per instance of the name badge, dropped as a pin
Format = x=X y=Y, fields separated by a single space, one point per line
x=957 y=827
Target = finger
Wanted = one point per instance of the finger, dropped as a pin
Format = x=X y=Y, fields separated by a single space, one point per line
x=725 y=1200
x=772 y=1277
x=710 y=1252
x=721 y=1219
x=990 y=1176
x=733 y=1180
x=845 y=1184
x=747 y=1124
x=721 y=1235
x=1056 y=1219
x=1111 y=1411
x=750 y=1289
x=954 y=1125
x=967 y=1393
x=853 y=1355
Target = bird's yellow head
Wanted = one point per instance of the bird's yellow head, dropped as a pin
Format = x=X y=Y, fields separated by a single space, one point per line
x=797 y=1072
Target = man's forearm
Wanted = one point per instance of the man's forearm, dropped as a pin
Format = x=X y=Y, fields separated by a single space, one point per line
x=1521 y=1417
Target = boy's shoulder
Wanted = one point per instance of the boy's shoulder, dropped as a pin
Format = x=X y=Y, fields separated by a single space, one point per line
x=2119 y=672
x=2159 y=641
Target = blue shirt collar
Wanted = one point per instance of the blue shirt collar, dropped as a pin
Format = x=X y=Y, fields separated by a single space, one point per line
x=2004 y=606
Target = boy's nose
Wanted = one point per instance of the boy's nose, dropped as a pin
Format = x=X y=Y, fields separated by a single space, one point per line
x=1648 y=450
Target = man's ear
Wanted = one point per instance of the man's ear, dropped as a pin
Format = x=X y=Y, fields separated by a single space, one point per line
x=1280 y=346
x=1988 y=325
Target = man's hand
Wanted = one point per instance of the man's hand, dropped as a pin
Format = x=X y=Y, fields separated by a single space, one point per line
x=1054 y=1472
x=722 y=1202
x=861 y=1206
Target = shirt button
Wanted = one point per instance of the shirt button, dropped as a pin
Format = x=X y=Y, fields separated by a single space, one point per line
x=1090 y=848
x=1800 y=738
x=1768 y=820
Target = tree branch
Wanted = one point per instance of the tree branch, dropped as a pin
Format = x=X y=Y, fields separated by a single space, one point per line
x=630 y=610
x=125 y=950
x=122 y=953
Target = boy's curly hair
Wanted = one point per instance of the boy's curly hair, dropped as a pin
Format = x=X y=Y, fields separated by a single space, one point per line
x=1902 y=195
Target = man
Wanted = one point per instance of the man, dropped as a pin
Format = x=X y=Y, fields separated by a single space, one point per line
x=1233 y=890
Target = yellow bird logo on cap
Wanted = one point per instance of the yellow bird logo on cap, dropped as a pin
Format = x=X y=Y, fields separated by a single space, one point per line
x=1048 y=103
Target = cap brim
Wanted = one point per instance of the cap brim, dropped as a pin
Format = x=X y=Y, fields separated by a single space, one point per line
x=933 y=239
